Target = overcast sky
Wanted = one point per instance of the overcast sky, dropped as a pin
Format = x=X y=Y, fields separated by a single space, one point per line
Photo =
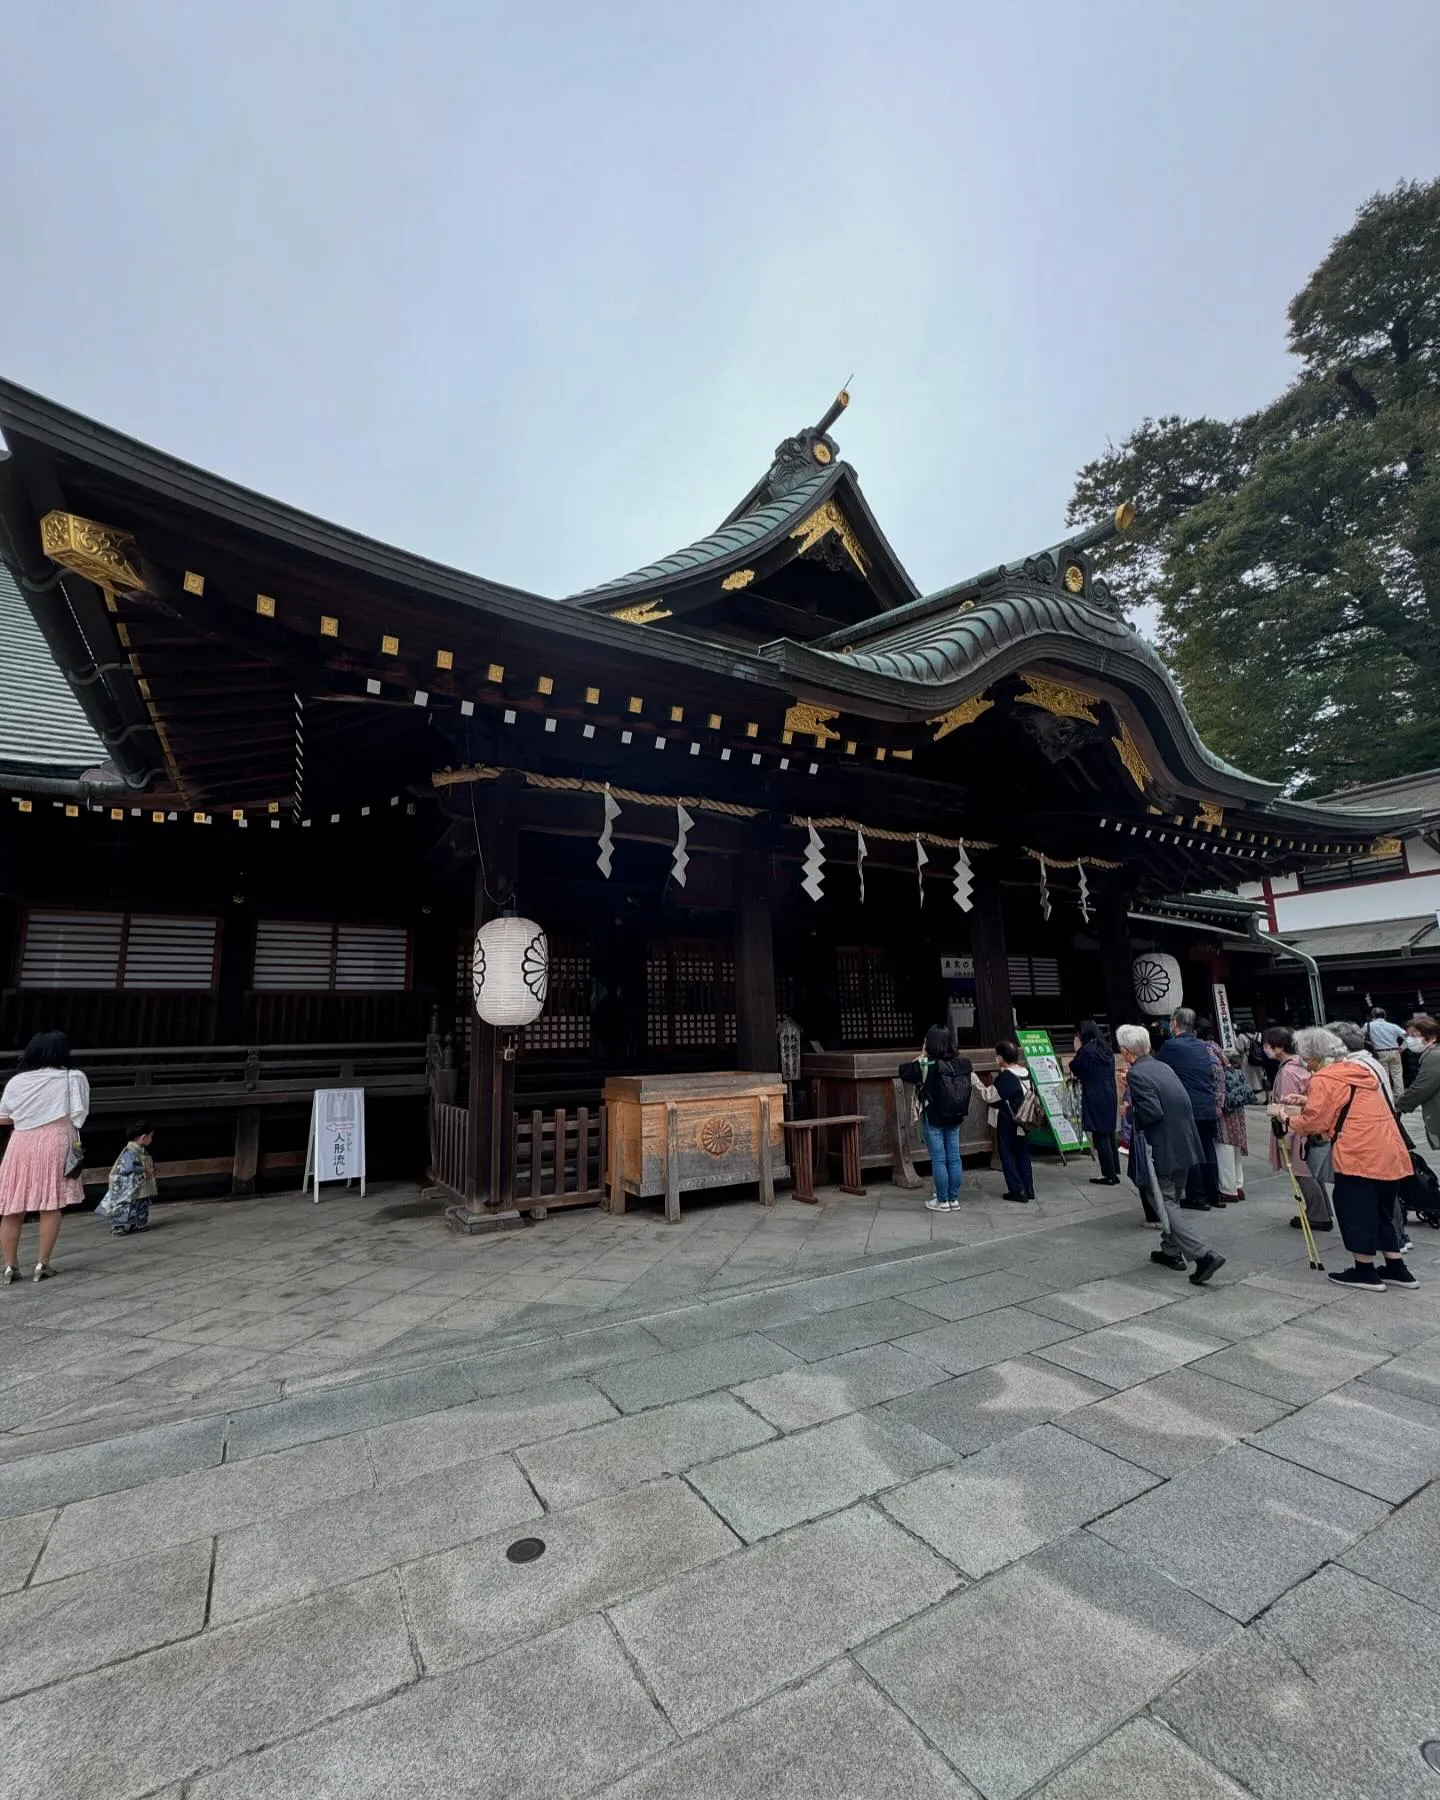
x=536 y=288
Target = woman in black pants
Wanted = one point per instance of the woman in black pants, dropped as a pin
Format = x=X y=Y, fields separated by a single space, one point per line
x=1093 y=1067
x=1006 y=1093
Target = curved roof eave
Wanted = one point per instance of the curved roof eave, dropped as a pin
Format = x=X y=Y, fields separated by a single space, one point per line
x=930 y=664
x=751 y=535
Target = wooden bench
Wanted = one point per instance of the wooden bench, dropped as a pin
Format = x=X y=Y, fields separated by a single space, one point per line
x=802 y=1157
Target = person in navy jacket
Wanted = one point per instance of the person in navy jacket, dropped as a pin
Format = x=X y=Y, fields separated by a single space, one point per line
x=1191 y=1060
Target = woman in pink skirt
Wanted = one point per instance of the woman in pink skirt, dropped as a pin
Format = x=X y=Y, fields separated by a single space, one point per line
x=47 y=1102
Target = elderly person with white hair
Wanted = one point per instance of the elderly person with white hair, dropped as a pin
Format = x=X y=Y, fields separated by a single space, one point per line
x=1161 y=1109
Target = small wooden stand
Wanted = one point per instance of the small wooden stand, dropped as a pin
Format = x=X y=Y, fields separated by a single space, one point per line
x=674 y=1134
x=802 y=1140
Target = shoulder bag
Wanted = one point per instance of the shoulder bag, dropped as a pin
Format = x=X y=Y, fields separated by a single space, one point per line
x=75 y=1155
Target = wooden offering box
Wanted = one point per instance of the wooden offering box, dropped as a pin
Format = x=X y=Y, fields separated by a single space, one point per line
x=868 y=1082
x=674 y=1134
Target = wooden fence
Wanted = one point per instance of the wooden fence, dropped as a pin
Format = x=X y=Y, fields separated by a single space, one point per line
x=557 y=1156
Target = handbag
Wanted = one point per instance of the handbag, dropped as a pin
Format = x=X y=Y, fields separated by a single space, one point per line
x=75 y=1155
x=1029 y=1112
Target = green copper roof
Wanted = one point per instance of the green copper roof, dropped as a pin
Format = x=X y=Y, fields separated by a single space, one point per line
x=726 y=546
x=41 y=724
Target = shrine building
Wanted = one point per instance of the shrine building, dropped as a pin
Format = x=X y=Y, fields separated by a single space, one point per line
x=262 y=779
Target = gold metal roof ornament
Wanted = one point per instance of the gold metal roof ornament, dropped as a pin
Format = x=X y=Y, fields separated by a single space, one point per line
x=96 y=552
x=803 y=719
x=644 y=612
x=966 y=713
x=1054 y=697
x=826 y=518
x=1134 y=762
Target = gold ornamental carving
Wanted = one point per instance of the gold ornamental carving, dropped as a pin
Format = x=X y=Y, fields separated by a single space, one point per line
x=810 y=721
x=739 y=578
x=1134 y=762
x=1074 y=579
x=1064 y=702
x=644 y=612
x=966 y=713
x=1210 y=815
x=1386 y=846
x=717 y=1135
x=95 y=551
x=825 y=519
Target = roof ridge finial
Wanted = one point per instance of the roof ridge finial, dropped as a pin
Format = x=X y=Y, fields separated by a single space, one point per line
x=836 y=407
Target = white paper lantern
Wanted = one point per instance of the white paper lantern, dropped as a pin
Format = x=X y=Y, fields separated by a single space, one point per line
x=510 y=972
x=1158 y=983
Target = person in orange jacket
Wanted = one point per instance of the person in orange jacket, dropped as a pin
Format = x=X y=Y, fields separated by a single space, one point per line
x=1346 y=1105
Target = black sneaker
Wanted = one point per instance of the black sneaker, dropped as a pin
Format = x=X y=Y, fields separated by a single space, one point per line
x=1315 y=1224
x=1397 y=1275
x=1020 y=1199
x=1166 y=1260
x=1195 y=1206
x=1363 y=1277
x=1205 y=1268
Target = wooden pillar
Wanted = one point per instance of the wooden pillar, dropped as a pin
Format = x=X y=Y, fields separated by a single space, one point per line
x=489 y=1150
x=1116 y=957
x=994 y=1007
x=755 y=1013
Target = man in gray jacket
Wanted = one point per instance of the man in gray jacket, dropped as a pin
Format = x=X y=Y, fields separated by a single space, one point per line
x=1160 y=1107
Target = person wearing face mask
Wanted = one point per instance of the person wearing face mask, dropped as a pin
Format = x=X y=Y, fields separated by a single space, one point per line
x=1423 y=1093
x=1412 y=1048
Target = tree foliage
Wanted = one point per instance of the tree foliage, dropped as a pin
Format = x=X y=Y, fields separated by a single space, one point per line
x=1293 y=556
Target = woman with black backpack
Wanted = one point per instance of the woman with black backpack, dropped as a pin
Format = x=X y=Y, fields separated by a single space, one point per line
x=941 y=1081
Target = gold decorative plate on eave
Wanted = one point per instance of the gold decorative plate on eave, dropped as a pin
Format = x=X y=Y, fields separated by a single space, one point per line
x=826 y=518
x=644 y=612
x=1064 y=702
x=96 y=552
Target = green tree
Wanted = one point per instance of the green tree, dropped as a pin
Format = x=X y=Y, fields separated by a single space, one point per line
x=1293 y=556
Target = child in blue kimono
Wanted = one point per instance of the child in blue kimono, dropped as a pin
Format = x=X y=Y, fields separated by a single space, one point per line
x=132 y=1183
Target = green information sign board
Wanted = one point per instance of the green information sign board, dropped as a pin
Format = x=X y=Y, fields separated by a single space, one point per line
x=1050 y=1085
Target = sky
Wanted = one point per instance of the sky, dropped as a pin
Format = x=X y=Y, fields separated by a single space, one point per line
x=535 y=289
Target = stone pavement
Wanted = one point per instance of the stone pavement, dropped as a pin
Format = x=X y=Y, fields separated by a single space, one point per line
x=856 y=1502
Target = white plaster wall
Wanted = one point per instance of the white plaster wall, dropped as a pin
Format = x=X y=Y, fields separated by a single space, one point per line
x=1360 y=904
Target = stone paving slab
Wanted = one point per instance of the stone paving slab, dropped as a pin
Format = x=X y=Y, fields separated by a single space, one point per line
x=1001 y=1504
x=1403 y=1552
x=1104 y=1302
x=553 y=1359
x=21 y=1541
x=1014 y=1677
x=722 y=1638
x=278 y=1561
x=67 y=1627
x=1295 y=1363
x=59 y=1476
x=124 y=1731
x=1175 y=1421
x=412 y=1447
x=849 y=1328
x=1330 y=1694
x=183 y=1507
x=337 y=1411
x=810 y=1393
x=1124 y=1355
x=974 y=1410
x=977 y=1294
x=768 y=1489
x=994 y=1337
x=691 y=1325
x=1238 y=1310
x=583 y=1465
x=1416 y=1373
x=1383 y=1444
x=467 y=1603
x=1141 y=1761
x=1243 y=1528
x=504 y=1731
x=832 y=1738
x=682 y=1374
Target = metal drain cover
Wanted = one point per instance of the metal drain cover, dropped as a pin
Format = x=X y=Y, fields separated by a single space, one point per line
x=526 y=1549
x=1431 y=1752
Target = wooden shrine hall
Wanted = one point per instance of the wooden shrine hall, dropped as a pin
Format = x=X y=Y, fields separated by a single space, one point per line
x=760 y=779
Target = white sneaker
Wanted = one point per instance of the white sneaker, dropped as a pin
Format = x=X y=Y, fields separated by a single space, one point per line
x=954 y=1206
x=934 y=1205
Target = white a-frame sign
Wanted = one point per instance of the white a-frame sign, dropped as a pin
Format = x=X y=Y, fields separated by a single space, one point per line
x=336 y=1150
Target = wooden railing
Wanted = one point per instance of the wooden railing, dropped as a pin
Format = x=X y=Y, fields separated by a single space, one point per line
x=449 y=1145
x=559 y=1157
x=245 y=1075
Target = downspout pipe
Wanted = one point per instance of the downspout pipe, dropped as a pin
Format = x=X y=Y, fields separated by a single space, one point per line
x=95 y=784
x=1268 y=941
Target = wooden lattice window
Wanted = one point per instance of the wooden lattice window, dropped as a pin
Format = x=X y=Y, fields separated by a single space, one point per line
x=564 y=1026
x=689 y=994
x=308 y=956
x=1035 y=976
x=871 y=1008
x=145 y=951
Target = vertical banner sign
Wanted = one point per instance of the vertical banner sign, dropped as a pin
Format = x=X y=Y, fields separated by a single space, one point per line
x=1051 y=1086
x=336 y=1150
x=1224 y=1024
